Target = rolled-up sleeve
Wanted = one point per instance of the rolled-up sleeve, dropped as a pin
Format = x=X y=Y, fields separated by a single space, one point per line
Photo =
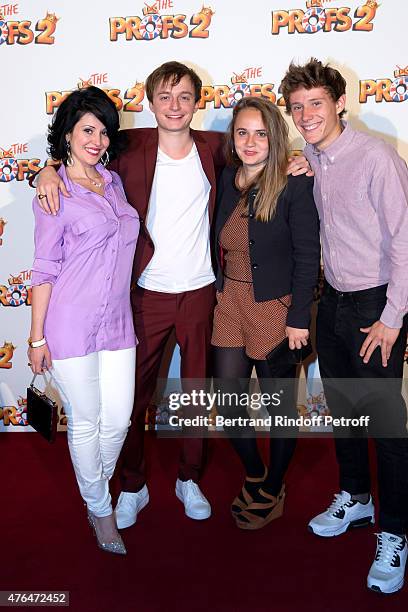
x=48 y=241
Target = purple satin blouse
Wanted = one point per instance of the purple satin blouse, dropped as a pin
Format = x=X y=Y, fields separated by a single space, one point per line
x=86 y=253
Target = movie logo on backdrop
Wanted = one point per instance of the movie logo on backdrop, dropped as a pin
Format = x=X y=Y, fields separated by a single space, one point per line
x=242 y=85
x=6 y=355
x=386 y=90
x=318 y=17
x=129 y=102
x=18 y=290
x=22 y=31
x=14 y=168
x=15 y=415
x=154 y=24
x=248 y=82
x=13 y=409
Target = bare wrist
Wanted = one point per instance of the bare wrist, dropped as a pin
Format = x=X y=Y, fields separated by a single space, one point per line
x=36 y=334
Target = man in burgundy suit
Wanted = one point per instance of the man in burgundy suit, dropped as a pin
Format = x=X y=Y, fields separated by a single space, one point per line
x=169 y=175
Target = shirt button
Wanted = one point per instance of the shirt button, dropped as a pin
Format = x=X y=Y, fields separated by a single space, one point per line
x=251 y=242
x=254 y=266
x=251 y=215
x=333 y=251
x=339 y=278
x=324 y=167
x=108 y=278
x=324 y=196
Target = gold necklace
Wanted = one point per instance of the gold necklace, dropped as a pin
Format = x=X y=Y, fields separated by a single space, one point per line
x=95 y=183
x=87 y=178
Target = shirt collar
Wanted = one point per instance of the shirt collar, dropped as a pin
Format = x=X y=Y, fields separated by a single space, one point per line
x=332 y=152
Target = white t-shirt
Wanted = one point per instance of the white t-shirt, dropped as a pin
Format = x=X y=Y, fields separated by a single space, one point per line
x=179 y=226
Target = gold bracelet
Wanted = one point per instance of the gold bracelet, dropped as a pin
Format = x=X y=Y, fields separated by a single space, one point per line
x=36 y=343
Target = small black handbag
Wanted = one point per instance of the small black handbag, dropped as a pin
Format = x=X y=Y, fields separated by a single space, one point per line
x=282 y=355
x=42 y=412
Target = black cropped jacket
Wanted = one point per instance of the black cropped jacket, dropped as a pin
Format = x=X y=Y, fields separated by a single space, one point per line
x=284 y=252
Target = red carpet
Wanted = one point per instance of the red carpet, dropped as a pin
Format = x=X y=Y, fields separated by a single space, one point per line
x=174 y=563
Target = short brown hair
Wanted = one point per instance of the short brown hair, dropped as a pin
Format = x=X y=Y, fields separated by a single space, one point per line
x=313 y=74
x=172 y=72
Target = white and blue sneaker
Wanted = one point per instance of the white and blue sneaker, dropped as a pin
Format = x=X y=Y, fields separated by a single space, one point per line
x=343 y=513
x=386 y=574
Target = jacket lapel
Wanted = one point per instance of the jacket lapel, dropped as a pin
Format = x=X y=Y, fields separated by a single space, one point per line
x=150 y=158
x=207 y=163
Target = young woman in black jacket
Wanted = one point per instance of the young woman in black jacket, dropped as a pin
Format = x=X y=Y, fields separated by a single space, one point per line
x=268 y=253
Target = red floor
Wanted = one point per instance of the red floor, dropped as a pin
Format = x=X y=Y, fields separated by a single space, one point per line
x=174 y=563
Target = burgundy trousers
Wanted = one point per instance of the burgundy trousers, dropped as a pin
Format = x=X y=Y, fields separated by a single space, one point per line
x=156 y=316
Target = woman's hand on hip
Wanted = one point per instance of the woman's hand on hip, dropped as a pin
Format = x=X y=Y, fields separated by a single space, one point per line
x=297 y=337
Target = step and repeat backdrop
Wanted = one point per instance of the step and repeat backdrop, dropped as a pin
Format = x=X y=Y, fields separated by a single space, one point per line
x=48 y=48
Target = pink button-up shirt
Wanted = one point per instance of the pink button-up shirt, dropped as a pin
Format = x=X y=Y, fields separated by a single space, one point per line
x=86 y=252
x=361 y=193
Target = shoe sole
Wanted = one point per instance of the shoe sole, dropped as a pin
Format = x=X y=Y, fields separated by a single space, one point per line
x=126 y=524
x=237 y=505
x=121 y=553
x=195 y=517
x=363 y=522
x=377 y=589
x=258 y=524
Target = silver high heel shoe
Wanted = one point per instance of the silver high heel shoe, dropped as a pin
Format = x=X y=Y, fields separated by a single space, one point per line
x=115 y=546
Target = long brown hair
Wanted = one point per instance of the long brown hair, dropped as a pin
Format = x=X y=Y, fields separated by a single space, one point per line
x=272 y=179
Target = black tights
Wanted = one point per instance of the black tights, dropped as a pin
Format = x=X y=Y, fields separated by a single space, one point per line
x=232 y=372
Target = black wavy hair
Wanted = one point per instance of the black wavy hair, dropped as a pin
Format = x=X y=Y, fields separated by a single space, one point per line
x=78 y=103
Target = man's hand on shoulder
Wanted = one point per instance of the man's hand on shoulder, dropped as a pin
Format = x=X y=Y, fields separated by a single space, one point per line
x=380 y=335
x=49 y=184
x=298 y=164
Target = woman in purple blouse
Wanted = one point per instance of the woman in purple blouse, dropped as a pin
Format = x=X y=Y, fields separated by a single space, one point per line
x=82 y=326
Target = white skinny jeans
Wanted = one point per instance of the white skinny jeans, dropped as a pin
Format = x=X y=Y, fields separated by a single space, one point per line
x=97 y=391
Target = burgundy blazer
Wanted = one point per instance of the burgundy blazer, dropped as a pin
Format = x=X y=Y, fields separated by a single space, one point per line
x=136 y=167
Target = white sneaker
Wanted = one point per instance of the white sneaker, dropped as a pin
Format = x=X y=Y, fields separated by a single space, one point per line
x=342 y=514
x=386 y=574
x=195 y=504
x=128 y=506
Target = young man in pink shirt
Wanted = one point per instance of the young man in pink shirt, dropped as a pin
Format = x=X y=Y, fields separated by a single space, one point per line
x=361 y=192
